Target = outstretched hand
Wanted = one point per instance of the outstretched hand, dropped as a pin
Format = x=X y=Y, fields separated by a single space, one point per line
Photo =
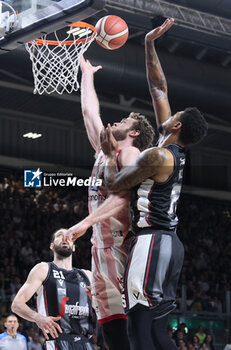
x=86 y=66
x=77 y=231
x=108 y=142
x=158 y=31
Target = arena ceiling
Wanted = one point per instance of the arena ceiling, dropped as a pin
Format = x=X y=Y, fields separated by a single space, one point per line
x=195 y=54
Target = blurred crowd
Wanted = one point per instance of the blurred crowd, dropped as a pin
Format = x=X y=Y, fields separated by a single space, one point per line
x=28 y=217
x=205 y=228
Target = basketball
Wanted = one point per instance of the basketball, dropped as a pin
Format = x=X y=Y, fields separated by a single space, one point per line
x=112 y=32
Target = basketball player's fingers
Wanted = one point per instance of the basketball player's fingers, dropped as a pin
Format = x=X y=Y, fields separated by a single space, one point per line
x=53 y=333
x=97 y=68
x=110 y=135
x=88 y=291
x=109 y=129
x=167 y=24
x=45 y=333
x=58 y=327
x=108 y=132
x=102 y=134
x=57 y=318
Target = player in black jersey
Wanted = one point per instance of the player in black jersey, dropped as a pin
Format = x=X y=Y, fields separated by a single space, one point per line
x=156 y=254
x=63 y=306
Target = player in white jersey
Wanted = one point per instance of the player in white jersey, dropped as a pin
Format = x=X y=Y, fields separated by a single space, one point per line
x=109 y=251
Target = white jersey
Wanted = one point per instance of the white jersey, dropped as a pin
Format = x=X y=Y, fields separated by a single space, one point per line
x=112 y=231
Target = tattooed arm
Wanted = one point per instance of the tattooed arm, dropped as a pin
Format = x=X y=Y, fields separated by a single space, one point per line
x=160 y=166
x=155 y=75
x=156 y=163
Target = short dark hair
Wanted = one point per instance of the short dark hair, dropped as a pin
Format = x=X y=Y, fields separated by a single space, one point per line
x=194 y=126
x=147 y=133
x=11 y=315
x=53 y=234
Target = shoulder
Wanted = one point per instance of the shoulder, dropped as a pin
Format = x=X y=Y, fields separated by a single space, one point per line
x=3 y=335
x=88 y=273
x=128 y=156
x=157 y=155
x=40 y=270
x=21 y=336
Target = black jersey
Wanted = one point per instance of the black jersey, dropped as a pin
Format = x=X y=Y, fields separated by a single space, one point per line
x=63 y=294
x=155 y=203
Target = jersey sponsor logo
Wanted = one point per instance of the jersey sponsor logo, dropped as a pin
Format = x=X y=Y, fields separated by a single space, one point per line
x=136 y=295
x=77 y=311
x=76 y=339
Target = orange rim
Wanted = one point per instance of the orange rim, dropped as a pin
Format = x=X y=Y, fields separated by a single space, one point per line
x=68 y=42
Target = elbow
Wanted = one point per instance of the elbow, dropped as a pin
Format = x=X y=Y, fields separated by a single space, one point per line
x=85 y=111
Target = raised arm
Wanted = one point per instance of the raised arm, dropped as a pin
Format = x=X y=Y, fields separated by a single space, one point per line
x=155 y=75
x=90 y=103
x=34 y=280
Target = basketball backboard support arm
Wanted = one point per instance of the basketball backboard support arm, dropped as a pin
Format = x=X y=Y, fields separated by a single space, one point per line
x=49 y=19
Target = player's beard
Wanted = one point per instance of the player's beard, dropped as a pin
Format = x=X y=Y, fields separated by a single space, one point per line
x=120 y=135
x=62 y=252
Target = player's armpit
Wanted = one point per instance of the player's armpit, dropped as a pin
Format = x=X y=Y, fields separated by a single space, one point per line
x=147 y=165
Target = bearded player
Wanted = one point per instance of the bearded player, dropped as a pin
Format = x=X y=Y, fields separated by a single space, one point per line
x=64 y=308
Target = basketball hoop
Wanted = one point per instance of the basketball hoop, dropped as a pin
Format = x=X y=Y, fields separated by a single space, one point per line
x=55 y=63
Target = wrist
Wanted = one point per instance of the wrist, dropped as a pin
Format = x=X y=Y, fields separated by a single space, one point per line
x=87 y=222
x=37 y=317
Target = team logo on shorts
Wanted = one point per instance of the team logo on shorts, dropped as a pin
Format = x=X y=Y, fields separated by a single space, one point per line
x=33 y=178
x=136 y=295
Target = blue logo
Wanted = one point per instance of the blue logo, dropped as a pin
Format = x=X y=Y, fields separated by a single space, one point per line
x=32 y=178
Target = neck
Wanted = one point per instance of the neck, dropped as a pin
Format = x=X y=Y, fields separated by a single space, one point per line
x=63 y=263
x=168 y=139
x=125 y=143
x=12 y=333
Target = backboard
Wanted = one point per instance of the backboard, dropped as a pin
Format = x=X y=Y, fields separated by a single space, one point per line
x=38 y=17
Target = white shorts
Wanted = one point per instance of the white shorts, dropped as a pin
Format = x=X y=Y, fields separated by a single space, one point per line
x=108 y=266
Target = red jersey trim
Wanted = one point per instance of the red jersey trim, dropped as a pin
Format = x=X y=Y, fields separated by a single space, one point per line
x=111 y=318
x=117 y=158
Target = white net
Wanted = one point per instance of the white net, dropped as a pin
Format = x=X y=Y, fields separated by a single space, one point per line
x=55 y=67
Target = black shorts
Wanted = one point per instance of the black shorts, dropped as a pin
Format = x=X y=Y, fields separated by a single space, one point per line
x=152 y=271
x=69 y=342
